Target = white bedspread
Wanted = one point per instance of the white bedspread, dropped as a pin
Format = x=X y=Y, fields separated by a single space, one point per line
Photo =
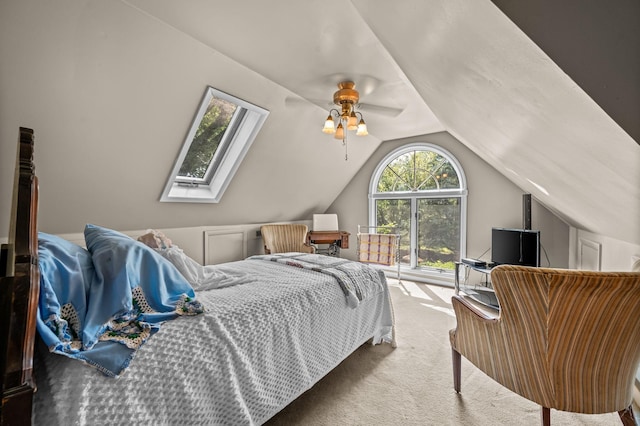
x=260 y=344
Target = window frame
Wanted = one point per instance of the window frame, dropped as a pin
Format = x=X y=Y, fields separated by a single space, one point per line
x=245 y=125
x=414 y=196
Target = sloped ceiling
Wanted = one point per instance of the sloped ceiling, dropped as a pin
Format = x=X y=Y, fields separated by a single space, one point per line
x=498 y=93
x=596 y=43
x=118 y=82
x=306 y=47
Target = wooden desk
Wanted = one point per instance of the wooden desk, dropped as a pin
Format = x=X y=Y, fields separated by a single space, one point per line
x=335 y=239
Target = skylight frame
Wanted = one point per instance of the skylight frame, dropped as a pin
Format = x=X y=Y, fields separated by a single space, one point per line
x=240 y=134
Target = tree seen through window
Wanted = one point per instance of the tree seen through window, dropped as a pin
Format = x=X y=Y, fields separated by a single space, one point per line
x=419 y=192
x=207 y=138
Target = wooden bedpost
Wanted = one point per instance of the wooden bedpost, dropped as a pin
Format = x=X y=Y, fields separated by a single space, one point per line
x=19 y=290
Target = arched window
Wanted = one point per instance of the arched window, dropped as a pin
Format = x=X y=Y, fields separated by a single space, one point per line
x=420 y=190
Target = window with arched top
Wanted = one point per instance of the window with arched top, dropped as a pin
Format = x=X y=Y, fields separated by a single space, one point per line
x=420 y=190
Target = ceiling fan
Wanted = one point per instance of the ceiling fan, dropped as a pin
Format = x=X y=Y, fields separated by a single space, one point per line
x=346 y=98
x=347 y=94
x=348 y=116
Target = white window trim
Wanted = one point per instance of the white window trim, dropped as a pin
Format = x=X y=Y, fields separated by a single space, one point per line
x=461 y=192
x=252 y=122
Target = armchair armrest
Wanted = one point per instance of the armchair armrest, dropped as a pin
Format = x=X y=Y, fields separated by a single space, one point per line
x=307 y=248
x=466 y=312
x=302 y=248
x=475 y=310
x=476 y=332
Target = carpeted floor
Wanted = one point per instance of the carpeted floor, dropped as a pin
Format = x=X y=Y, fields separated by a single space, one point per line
x=412 y=384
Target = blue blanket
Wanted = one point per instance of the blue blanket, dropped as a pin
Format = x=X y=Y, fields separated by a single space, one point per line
x=100 y=304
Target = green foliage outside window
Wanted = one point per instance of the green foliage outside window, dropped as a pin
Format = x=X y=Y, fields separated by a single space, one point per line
x=207 y=138
x=396 y=215
x=421 y=174
x=418 y=171
x=438 y=232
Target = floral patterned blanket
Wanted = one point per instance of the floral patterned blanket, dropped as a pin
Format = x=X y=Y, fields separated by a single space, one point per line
x=99 y=305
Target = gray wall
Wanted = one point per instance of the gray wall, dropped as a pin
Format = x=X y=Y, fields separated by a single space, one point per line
x=492 y=201
x=111 y=93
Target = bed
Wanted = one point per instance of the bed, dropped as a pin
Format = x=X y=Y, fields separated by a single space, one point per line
x=277 y=326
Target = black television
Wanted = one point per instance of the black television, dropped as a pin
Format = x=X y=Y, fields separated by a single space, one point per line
x=515 y=247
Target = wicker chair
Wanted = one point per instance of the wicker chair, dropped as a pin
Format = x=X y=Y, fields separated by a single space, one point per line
x=284 y=238
x=381 y=249
x=565 y=339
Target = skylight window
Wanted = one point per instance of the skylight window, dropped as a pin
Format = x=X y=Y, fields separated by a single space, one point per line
x=221 y=133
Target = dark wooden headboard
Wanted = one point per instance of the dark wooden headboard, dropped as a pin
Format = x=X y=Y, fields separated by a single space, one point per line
x=19 y=290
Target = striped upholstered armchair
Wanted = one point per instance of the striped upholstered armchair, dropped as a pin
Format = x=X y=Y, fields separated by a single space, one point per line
x=565 y=339
x=286 y=237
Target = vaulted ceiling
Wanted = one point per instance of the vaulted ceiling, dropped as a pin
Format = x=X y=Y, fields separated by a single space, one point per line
x=596 y=43
x=126 y=77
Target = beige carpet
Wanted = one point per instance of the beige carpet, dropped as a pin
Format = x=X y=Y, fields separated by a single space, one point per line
x=412 y=384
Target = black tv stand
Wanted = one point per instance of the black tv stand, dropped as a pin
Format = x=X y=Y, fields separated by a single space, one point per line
x=477 y=263
x=482 y=291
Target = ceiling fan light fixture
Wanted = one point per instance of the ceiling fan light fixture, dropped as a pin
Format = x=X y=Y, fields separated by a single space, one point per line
x=347 y=98
x=352 y=123
x=329 y=126
x=362 y=128
x=339 y=132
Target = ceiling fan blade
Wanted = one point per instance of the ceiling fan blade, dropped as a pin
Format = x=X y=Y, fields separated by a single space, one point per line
x=365 y=84
x=294 y=101
x=381 y=110
x=297 y=101
x=386 y=111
